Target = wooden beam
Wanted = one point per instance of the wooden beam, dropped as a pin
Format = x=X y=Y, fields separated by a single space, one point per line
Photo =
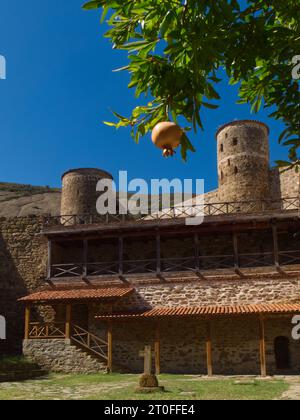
x=85 y=257
x=157 y=349
x=49 y=266
x=68 y=321
x=27 y=321
x=158 y=253
x=236 y=250
x=197 y=251
x=262 y=347
x=173 y=230
x=121 y=255
x=276 y=247
x=209 y=349
x=109 y=349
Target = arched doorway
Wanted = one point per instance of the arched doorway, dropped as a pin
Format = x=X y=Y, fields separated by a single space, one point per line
x=282 y=352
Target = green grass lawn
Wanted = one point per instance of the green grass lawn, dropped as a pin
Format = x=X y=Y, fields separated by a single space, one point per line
x=118 y=387
x=12 y=363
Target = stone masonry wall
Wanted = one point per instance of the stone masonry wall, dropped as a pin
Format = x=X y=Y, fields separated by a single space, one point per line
x=235 y=343
x=243 y=161
x=213 y=292
x=285 y=184
x=23 y=260
x=235 y=340
x=60 y=356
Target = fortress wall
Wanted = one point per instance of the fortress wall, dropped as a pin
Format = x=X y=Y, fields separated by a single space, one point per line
x=23 y=261
x=283 y=184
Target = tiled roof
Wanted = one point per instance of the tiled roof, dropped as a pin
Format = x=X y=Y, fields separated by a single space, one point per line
x=207 y=310
x=77 y=294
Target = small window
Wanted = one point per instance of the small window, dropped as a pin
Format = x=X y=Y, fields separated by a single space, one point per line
x=282 y=352
x=235 y=141
x=222 y=176
x=221 y=148
x=229 y=162
x=226 y=136
x=236 y=171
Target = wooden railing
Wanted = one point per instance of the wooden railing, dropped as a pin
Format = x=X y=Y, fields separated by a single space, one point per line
x=179 y=211
x=79 y=336
x=166 y=265
x=46 y=331
x=89 y=341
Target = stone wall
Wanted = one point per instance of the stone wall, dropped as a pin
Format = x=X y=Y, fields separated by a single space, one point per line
x=235 y=344
x=60 y=356
x=213 y=292
x=235 y=339
x=284 y=184
x=23 y=261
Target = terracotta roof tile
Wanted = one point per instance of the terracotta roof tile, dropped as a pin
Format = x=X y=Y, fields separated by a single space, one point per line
x=282 y=308
x=77 y=294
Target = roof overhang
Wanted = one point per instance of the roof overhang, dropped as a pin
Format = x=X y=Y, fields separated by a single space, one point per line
x=210 y=223
x=203 y=311
x=55 y=296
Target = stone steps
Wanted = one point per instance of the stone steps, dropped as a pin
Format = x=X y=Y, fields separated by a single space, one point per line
x=62 y=357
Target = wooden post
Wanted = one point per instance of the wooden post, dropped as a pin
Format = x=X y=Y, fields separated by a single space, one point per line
x=121 y=255
x=68 y=321
x=276 y=247
x=158 y=254
x=27 y=321
x=85 y=257
x=197 y=252
x=209 y=349
x=157 y=348
x=109 y=350
x=262 y=346
x=236 y=251
x=49 y=266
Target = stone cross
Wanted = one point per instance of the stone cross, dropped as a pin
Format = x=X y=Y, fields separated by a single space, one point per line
x=147 y=355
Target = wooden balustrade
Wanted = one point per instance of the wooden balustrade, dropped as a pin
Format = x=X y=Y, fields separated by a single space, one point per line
x=167 y=265
x=89 y=341
x=40 y=331
x=210 y=209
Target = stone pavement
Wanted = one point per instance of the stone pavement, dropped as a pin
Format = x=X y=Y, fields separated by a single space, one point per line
x=293 y=393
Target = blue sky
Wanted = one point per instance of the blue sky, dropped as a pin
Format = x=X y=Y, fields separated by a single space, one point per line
x=59 y=89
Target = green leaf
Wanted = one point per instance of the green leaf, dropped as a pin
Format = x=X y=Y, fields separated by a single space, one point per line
x=110 y=124
x=166 y=23
x=185 y=146
x=210 y=106
x=282 y=163
x=121 y=69
x=104 y=13
x=95 y=4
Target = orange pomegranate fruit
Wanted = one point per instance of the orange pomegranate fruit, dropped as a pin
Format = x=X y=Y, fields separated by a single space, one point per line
x=167 y=136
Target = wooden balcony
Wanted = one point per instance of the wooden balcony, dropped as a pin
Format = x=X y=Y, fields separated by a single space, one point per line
x=284 y=205
x=201 y=264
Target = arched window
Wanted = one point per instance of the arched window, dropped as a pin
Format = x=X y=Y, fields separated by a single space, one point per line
x=236 y=171
x=235 y=141
x=282 y=352
x=229 y=162
x=221 y=148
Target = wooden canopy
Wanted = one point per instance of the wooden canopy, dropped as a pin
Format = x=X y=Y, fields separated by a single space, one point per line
x=82 y=294
x=261 y=309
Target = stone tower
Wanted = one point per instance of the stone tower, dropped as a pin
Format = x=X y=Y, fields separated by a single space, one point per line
x=243 y=161
x=79 y=195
